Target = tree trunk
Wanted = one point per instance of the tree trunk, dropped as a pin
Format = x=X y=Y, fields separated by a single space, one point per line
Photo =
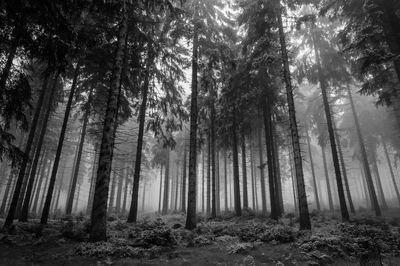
x=160 y=195
x=364 y=158
x=208 y=198
x=236 y=182
x=293 y=177
x=144 y=196
x=47 y=179
x=218 y=184
x=126 y=177
x=79 y=155
x=138 y=161
x=278 y=176
x=328 y=185
x=345 y=179
x=119 y=189
x=113 y=181
x=28 y=148
x=262 y=178
x=183 y=180
x=60 y=185
x=191 y=211
x=203 y=183
x=7 y=192
x=166 y=185
x=244 y=171
x=225 y=180
x=98 y=219
x=39 y=186
x=396 y=189
x=176 y=186
x=49 y=196
x=305 y=223
x=381 y=193
x=92 y=181
x=313 y=172
x=213 y=164
x=329 y=120
x=270 y=157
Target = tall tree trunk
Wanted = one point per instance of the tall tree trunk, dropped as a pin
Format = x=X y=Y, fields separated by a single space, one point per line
x=218 y=184
x=226 y=180
x=305 y=222
x=47 y=179
x=364 y=158
x=49 y=196
x=396 y=189
x=208 y=198
x=191 y=210
x=183 y=179
x=7 y=191
x=313 y=172
x=378 y=182
x=160 y=195
x=25 y=206
x=77 y=198
x=142 y=119
x=28 y=148
x=144 y=196
x=119 y=189
x=213 y=164
x=203 y=183
x=270 y=157
x=236 y=182
x=328 y=185
x=92 y=181
x=98 y=219
x=126 y=177
x=329 y=120
x=244 y=171
x=113 y=181
x=79 y=155
x=278 y=178
x=39 y=186
x=293 y=177
x=253 y=185
x=262 y=178
x=166 y=185
x=176 y=186
x=344 y=171
x=60 y=185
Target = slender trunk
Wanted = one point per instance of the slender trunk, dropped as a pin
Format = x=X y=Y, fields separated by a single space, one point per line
x=138 y=161
x=270 y=157
x=278 y=177
x=314 y=180
x=218 y=184
x=176 y=186
x=98 y=219
x=191 y=210
x=208 y=198
x=60 y=185
x=126 y=191
x=113 y=181
x=253 y=185
x=144 y=196
x=47 y=178
x=329 y=120
x=305 y=222
x=7 y=192
x=365 y=186
x=183 y=180
x=160 y=195
x=293 y=177
x=166 y=185
x=345 y=179
x=203 y=183
x=92 y=181
x=39 y=186
x=328 y=185
x=119 y=189
x=378 y=182
x=77 y=198
x=262 y=178
x=213 y=164
x=225 y=180
x=244 y=170
x=28 y=148
x=236 y=182
x=364 y=158
x=396 y=189
x=79 y=155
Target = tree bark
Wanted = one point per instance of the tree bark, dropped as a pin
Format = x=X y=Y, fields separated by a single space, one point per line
x=119 y=189
x=21 y=175
x=191 y=211
x=183 y=180
x=126 y=177
x=176 y=187
x=39 y=186
x=92 y=181
x=328 y=185
x=236 y=182
x=79 y=155
x=253 y=185
x=313 y=172
x=262 y=178
x=396 y=189
x=98 y=226
x=378 y=182
x=244 y=171
x=305 y=223
x=142 y=119
x=166 y=185
x=213 y=164
x=160 y=195
x=226 y=180
x=49 y=196
x=208 y=198
x=329 y=120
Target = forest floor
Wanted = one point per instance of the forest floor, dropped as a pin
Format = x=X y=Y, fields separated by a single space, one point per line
x=224 y=241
